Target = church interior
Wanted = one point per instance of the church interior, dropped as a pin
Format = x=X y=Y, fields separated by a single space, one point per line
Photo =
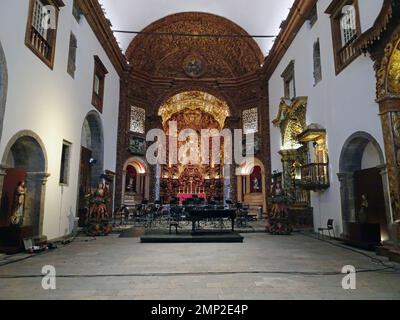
x=200 y=150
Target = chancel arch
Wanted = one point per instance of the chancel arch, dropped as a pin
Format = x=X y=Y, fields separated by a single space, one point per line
x=188 y=172
x=24 y=161
x=198 y=82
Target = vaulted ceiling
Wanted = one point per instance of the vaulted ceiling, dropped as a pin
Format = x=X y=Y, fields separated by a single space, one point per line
x=195 y=57
x=256 y=17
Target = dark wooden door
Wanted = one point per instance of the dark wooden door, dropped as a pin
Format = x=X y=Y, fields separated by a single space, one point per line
x=85 y=175
x=11 y=180
x=369 y=182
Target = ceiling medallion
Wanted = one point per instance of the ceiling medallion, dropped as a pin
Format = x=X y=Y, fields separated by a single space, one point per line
x=194 y=66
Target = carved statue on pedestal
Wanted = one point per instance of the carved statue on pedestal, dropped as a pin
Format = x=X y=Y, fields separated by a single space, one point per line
x=98 y=219
x=278 y=221
x=17 y=219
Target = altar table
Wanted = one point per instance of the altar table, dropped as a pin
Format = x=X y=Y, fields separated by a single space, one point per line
x=185 y=196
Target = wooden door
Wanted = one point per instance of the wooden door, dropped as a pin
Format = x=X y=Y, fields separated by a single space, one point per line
x=369 y=182
x=85 y=175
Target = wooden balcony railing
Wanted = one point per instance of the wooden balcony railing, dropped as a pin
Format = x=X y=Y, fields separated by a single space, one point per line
x=347 y=54
x=301 y=197
x=315 y=176
x=40 y=44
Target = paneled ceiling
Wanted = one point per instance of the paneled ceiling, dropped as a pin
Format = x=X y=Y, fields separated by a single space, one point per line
x=257 y=17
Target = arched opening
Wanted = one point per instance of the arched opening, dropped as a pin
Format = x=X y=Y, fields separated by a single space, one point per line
x=24 y=161
x=3 y=87
x=91 y=161
x=364 y=186
x=135 y=184
x=192 y=172
x=252 y=185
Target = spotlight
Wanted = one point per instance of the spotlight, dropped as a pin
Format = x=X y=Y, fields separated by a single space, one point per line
x=92 y=161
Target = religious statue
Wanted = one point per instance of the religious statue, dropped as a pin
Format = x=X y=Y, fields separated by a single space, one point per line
x=98 y=219
x=256 y=185
x=278 y=222
x=98 y=203
x=17 y=219
x=362 y=215
x=189 y=153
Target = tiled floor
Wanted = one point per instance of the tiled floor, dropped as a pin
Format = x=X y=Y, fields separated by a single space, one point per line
x=264 y=267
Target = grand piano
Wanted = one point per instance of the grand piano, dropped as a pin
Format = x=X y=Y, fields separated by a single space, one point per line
x=203 y=214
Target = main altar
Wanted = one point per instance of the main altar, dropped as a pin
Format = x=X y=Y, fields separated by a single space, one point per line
x=203 y=177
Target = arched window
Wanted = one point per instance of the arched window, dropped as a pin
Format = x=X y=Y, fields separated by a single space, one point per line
x=317 y=63
x=138 y=120
x=345 y=20
x=348 y=24
x=250 y=121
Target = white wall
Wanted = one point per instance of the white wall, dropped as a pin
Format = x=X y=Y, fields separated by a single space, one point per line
x=371 y=158
x=343 y=104
x=54 y=105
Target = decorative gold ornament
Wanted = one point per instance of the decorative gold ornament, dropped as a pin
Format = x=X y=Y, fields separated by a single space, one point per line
x=292 y=121
x=194 y=66
x=394 y=72
x=195 y=100
x=388 y=78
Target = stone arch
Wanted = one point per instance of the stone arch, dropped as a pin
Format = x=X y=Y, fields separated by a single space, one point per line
x=26 y=152
x=142 y=184
x=244 y=181
x=93 y=139
x=351 y=160
x=3 y=87
x=352 y=152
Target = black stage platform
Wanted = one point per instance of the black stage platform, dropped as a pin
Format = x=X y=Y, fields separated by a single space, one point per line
x=189 y=237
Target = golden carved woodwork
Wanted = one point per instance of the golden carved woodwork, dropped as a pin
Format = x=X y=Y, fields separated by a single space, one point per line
x=394 y=72
x=291 y=119
x=222 y=57
x=161 y=67
x=388 y=78
x=396 y=135
x=195 y=101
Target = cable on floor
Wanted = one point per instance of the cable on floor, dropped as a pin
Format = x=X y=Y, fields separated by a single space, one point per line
x=372 y=258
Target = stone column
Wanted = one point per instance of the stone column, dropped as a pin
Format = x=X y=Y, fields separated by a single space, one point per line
x=2 y=177
x=346 y=180
x=34 y=201
x=264 y=188
x=153 y=122
x=385 y=182
x=231 y=124
x=240 y=189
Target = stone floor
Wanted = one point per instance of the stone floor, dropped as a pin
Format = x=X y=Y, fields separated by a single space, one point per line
x=264 y=267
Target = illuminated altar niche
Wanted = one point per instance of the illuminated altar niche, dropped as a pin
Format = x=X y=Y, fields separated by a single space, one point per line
x=195 y=100
x=197 y=111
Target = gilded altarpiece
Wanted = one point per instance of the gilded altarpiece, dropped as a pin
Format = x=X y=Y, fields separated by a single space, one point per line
x=291 y=120
x=388 y=91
